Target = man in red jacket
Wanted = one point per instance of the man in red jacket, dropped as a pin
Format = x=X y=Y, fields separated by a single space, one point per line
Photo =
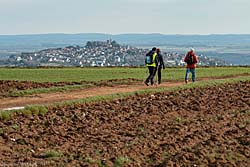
x=191 y=60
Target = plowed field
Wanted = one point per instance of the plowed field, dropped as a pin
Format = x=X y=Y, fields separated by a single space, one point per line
x=194 y=127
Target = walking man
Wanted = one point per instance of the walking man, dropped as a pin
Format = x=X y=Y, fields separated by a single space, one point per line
x=151 y=62
x=191 y=59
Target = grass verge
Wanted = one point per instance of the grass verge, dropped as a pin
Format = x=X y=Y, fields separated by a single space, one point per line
x=27 y=111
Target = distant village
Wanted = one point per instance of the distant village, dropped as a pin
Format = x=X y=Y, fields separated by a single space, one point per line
x=98 y=53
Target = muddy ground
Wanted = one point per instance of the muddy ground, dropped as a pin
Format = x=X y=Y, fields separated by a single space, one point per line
x=194 y=127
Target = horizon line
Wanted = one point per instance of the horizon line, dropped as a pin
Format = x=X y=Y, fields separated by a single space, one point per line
x=117 y=34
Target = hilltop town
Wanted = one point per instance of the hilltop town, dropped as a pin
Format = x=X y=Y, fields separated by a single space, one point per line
x=98 y=53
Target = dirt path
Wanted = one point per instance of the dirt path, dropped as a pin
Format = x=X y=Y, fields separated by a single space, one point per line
x=49 y=98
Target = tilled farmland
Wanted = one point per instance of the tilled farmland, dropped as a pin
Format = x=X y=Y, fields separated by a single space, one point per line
x=193 y=127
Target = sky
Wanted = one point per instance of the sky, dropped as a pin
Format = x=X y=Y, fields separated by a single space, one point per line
x=124 y=16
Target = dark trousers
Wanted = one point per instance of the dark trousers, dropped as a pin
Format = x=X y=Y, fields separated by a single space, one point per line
x=152 y=71
x=159 y=74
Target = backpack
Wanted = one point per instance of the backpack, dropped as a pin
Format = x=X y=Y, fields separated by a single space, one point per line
x=190 y=59
x=149 y=58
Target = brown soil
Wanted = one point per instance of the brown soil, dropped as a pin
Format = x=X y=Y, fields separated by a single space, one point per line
x=194 y=127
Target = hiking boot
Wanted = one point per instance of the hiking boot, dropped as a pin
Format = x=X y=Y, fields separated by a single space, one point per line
x=186 y=81
x=146 y=83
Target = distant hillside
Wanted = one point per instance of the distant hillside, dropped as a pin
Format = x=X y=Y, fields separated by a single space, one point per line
x=41 y=41
x=98 y=53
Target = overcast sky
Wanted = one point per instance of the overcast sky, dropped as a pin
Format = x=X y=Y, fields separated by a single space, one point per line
x=125 y=16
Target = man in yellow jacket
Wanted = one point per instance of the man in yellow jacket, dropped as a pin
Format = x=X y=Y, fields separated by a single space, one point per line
x=151 y=63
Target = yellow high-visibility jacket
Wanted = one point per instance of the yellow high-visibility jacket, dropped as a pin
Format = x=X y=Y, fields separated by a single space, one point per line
x=154 y=61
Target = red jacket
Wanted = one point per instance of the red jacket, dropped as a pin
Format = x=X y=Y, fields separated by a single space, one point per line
x=195 y=59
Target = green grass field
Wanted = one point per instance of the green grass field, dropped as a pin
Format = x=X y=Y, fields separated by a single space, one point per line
x=105 y=73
